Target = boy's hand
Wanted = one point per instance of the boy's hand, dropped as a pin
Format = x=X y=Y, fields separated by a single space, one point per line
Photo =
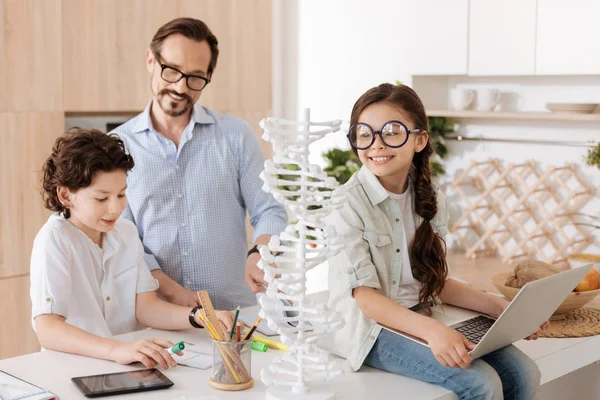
x=150 y=352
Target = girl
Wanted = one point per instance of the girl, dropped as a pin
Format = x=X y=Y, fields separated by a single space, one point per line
x=88 y=278
x=394 y=262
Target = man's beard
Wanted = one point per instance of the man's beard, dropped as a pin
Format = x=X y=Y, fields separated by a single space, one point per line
x=173 y=111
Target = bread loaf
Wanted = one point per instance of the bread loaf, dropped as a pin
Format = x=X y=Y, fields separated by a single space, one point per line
x=528 y=271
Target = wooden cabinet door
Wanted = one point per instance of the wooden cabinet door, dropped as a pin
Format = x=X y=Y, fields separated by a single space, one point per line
x=502 y=37
x=16 y=333
x=104 y=52
x=567 y=37
x=436 y=32
x=30 y=55
x=26 y=140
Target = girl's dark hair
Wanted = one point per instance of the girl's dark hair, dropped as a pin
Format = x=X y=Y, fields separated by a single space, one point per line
x=428 y=249
x=192 y=29
x=76 y=156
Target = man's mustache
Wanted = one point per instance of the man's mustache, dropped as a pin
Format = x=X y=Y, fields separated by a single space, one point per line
x=167 y=91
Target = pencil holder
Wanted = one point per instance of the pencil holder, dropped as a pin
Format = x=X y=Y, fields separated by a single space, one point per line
x=231 y=369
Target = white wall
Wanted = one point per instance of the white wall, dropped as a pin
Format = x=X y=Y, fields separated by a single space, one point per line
x=342 y=48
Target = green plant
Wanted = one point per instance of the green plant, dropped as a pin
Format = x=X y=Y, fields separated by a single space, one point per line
x=438 y=128
x=593 y=156
x=342 y=164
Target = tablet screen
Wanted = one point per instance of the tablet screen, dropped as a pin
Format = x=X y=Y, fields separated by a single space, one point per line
x=122 y=382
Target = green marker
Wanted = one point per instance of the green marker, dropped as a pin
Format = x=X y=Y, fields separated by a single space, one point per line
x=259 y=346
x=176 y=348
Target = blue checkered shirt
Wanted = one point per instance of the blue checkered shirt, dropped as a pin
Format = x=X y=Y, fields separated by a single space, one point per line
x=189 y=202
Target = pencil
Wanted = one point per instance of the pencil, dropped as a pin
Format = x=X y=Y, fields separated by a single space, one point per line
x=235 y=318
x=252 y=329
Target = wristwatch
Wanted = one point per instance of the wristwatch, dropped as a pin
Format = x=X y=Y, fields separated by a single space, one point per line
x=192 y=317
x=252 y=250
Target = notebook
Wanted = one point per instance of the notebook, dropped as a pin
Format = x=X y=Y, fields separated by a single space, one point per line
x=13 y=388
x=197 y=355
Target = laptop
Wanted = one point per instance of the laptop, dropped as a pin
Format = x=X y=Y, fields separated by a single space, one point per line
x=530 y=308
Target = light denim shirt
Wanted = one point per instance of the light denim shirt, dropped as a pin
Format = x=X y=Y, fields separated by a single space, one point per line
x=371 y=224
x=189 y=202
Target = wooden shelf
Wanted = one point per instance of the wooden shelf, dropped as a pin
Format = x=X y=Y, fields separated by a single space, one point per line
x=532 y=116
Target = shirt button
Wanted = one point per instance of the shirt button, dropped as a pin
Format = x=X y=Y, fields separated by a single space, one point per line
x=397 y=219
x=372 y=337
x=185 y=253
x=48 y=299
x=188 y=283
x=393 y=282
x=180 y=195
x=177 y=167
x=350 y=271
x=107 y=298
x=182 y=225
x=397 y=250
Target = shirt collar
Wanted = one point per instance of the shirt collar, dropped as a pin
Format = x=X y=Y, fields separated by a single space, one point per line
x=199 y=116
x=375 y=191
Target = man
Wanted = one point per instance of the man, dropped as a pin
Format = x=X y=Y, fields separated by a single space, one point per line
x=196 y=174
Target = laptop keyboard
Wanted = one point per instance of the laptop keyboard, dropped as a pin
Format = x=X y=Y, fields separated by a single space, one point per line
x=475 y=328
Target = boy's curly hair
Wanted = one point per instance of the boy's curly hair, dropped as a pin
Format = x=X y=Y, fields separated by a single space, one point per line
x=76 y=156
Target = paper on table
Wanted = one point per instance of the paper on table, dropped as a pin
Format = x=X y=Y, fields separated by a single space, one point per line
x=197 y=355
x=12 y=387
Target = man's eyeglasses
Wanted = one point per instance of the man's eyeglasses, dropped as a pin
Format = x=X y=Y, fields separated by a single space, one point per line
x=173 y=75
x=393 y=134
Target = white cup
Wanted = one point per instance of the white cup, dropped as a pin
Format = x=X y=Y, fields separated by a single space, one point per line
x=487 y=99
x=461 y=98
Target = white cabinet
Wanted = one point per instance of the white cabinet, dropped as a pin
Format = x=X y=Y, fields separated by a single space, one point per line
x=436 y=32
x=502 y=37
x=567 y=37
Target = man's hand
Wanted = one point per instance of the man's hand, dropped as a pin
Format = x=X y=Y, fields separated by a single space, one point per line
x=173 y=292
x=183 y=297
x=254 y=276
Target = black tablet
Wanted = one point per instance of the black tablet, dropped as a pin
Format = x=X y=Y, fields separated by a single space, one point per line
x=122 y=382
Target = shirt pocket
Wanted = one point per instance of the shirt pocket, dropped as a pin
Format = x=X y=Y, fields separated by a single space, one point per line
x=376 y=239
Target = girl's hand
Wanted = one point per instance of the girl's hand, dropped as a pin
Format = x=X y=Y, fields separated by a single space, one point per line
x=450 y=347
x=536 y=335
x=150 y=352
x=502 y=304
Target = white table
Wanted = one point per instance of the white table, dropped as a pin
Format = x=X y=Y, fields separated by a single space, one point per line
x=53 y=371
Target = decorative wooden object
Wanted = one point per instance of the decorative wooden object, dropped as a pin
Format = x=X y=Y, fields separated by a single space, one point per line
x=521 y=211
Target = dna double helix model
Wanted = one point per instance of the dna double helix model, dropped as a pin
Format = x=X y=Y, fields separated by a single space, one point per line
x=308 y=193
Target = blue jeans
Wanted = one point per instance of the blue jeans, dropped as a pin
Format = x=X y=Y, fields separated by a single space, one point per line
x=506 y=373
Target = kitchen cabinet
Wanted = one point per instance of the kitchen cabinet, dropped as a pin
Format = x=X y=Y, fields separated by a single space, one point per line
x=17 y=336
x=437 y=36
x=30 y=53
x=567 y=36
x=26 y=140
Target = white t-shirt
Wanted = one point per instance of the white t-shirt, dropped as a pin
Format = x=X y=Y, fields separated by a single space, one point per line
x=408 y=287
x=93 y=288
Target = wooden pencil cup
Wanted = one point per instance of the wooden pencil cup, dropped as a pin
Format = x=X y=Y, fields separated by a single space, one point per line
x=231 y=369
